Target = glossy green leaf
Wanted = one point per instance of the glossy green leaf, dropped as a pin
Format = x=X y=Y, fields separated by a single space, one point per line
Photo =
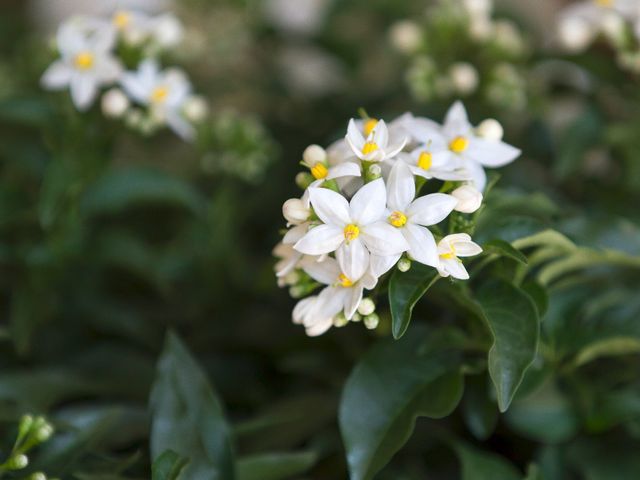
x=608 y=347
x=479 y=410
x=512 y=318
x=505 y=249
x=481 y=465
x=405 y=289
x=385 y=393
x=275 y=466
x=187 y=417
x=168 y=466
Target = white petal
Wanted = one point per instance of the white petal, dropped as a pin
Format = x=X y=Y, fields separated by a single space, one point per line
x=134 y=87
x=320 y=239
x=455 y=268
x=180 y=126
x=326 y=272
x=353 y=259
x=302 y=308
x=369 y=203
x=347 y=169
x=294 y=234
x=466 y=248
x=57 y=76
x=380 y=135
x=401 y=187
x=383 y=239
x=319 y=327
x=431 y=209
x=352 y=301
x=381 y=265
x=354 y=138
x=331 y=207
x=491 y=153
x=424 y=130
x=478 y=177
x=330 y=302
x=83 y=91
x=456 y=121
x=453 y=175
x=422 y=246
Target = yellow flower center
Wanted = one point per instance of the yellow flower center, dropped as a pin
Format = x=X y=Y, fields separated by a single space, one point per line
x=344 y=281
x=159 y=94
x=369 y=147
x=604 y=3
x=458 y=144
x=319 y=171
x=424 y=160
x=83 y=60
x=121 y=19
x=369 y=125
x=397 y=219
x=448 y=256
x=351 y=232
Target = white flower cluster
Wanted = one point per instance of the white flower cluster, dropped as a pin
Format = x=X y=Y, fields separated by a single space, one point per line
x=94 y=55
x=618 y=21
x=362 y=211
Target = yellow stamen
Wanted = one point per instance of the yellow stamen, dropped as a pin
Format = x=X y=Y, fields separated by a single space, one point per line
x=351 y=232
x=83 y=60
x=397 y=219
x=369 y=147
x=604 y=3
x=159 y=94
x=458 y=144
x=369 y=125
x=448 y=256
x=121 y=19
x=344 y=281
x=319 y=171
x=425 y=160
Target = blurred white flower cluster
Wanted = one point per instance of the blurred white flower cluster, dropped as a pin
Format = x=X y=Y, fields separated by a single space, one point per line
x=616 y=21
x=460 y=50
x=363 y=211
x=117 y=57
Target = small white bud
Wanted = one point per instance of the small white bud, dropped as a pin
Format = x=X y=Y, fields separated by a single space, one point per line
x=469 y=199
x=44 y=432
x=575 y=34
x=134 y=35
x=371 y=321
x=195 y=109
x=613 y=26
x=405 y=36
x=340 y=320
x=18 y=462
x=115 y=103
x=38 y=476
x=480 y=27
x=314 y=154
x=478 y=7
x=404 y=265
x=167 y=31
x=295 y=211
x=366 y=307
x=356 y=317
x=490 y=129
x=464 y=77
x=375 y=171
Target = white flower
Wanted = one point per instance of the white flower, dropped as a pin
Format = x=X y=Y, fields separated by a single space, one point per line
x=289 y=257
x=353 y=230
x=86 y=62
x=450 y=248
x=461 y=144
x=405 y=36
x=342 y=295
x=315 y=158
x=412 y=216
x=115 y=103
x=132 y=26
x=195 y=109
x=469 y=199
x=164 y=92
x=376 y=147
x=464 y=77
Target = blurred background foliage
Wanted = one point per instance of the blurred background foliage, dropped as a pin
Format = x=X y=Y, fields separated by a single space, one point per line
x=109 y=239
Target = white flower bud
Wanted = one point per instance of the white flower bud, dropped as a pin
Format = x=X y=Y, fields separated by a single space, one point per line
x=295 y=211
x=356 y=317
x=464 y=77
x=480 y=28
x=115 y=103
x=405 y=36
x=613 y=26
x=167 y=31
x=404 y=265
x=478 y=7
x=371 y=321
x=340 y=320
x=575 y=34
x=490 y=129
x=314 y=154
x=38 y=476
x=469 y=199
x=18 y=462
x=366 y=307
x=195 y=109
x=44 y=432
x=375 y=171
x=134 y=35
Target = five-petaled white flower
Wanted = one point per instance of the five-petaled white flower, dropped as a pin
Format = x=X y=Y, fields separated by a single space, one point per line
x=352 y=230
x=85 y=63
x=164 y=92
x=376 y=146
x=342 y=295
x=450 y=248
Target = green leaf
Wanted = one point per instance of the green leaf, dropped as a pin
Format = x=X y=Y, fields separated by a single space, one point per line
x=512 y=318
x=275 y=466
x=505 y=249
x=405 y=289
x=168 y=466
x=480 y=465
x=187 y=416
x=387 y=390
x=479 y=410
x=608 y=347
x=538 y=294
x=133 y=187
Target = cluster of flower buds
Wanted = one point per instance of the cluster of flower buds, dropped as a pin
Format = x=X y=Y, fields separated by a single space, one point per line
x=617 y=21
x=363 y=210
x=444 y=69
x=117 y=57
x=31 y=433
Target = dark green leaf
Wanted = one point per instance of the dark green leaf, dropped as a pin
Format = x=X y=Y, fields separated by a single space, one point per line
x=187 y=416
x=405 y=289
x=513 y=320
x=479 y=410
x=168 y=466
x=538 y=294
x=479 y=465
x=505 y=249
x=275 y=466
x=388 y=389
